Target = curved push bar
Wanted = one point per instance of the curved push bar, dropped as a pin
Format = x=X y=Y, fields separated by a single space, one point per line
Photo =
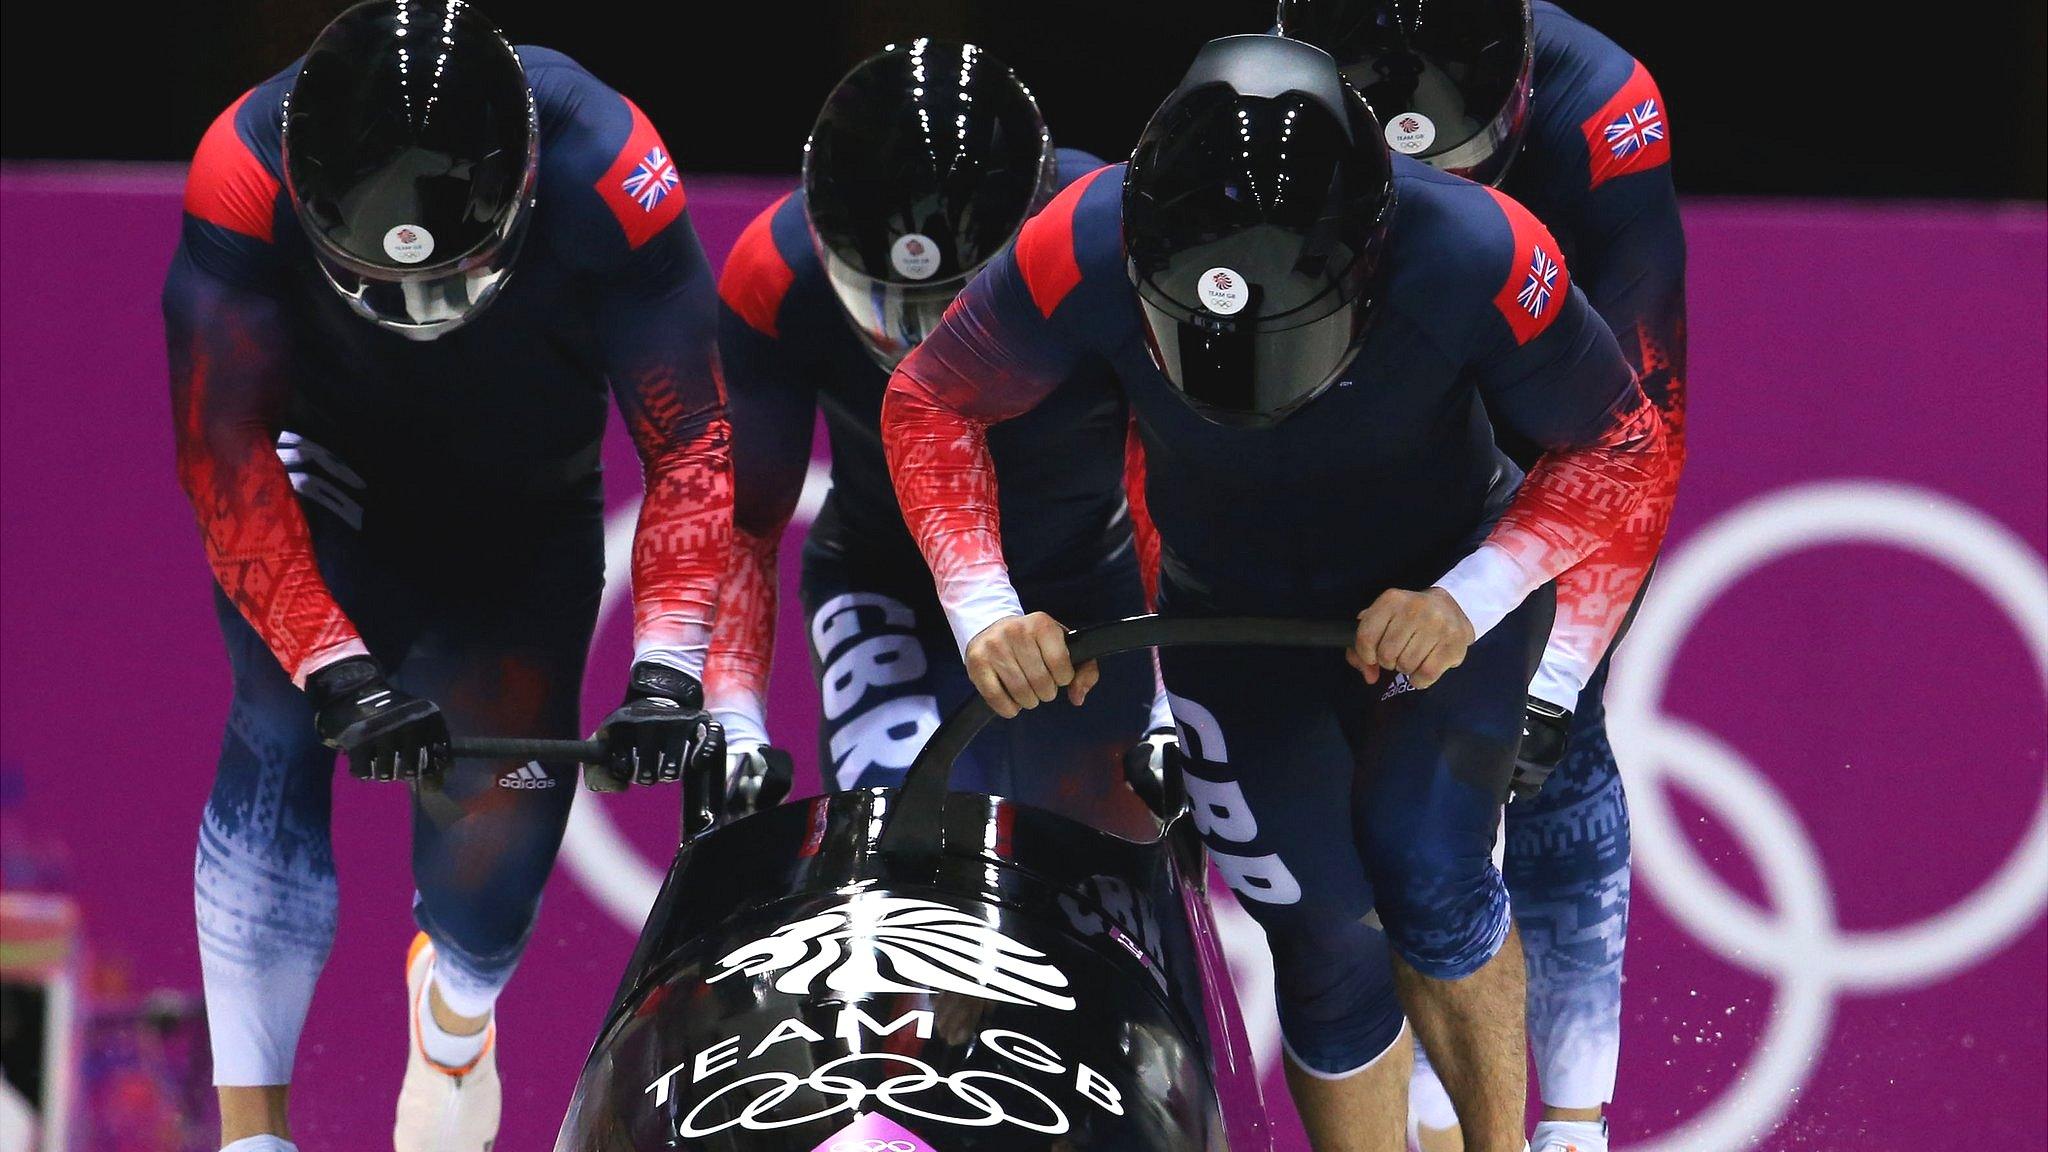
x=917 y=820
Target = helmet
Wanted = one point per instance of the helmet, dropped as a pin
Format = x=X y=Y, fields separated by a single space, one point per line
x=1448 y=78
x=410 y=148
x=1255 y=218
x=925 y=162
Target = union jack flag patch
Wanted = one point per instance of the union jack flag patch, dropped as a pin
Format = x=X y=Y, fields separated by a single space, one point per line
x=652 y=181
x=1637 y=127
x=1540 y=285
x=1631 y=132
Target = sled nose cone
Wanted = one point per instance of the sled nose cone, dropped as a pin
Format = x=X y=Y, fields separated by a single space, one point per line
x=794 y=992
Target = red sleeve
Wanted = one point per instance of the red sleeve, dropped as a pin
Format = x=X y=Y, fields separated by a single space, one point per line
x=1004 y=345
x=1574 y=501
x=229 y=381
x=1594 y=595
x=743 y=641
x=1562 y=382
x=684 y=534
x=230 y=377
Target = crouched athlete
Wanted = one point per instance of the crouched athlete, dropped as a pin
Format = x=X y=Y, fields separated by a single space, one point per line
x=1526 y=98
x=1311 y=335
x=411 y=264
x=823 y=295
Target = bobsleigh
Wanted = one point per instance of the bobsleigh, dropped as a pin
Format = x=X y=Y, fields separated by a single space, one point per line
x=919 y=970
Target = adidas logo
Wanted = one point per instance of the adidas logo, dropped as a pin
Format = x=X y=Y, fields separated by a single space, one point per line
x=527 y=775
x=1401 y=684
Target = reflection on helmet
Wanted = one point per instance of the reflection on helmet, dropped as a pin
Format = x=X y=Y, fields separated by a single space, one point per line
x=924 y=164
x=1448 y=78
x=411 y=147
x=1255 y=213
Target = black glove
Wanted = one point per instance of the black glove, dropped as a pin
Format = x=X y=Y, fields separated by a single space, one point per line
x=388 y=733
x=1152 y=768
x=659 y=732
x=758 y=780
x=1545 y=727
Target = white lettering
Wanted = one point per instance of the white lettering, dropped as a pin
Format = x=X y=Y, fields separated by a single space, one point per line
x=726 y=1052
x=1220 y=809
x=1200 y=735
x=1028 y=1052
x=853 y=1019
x=838 y=619
x=1095 y=1086
x=876 y=662
x=660 y=1087
x=789 y=1029
x=889 y=735
x=1261 y=878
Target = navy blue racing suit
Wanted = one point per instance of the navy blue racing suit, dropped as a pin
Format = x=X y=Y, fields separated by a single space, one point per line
x=1595 y=167
x=436 y=505
x=886 y=662
x=1320 y=798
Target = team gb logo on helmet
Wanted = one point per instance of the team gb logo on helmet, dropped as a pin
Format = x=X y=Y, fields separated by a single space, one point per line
x=876 y=943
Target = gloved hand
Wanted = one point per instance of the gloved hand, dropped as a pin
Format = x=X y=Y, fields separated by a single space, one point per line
x=1152 y=768
x=659 y=732
x=757 y=779
x=1545 y=728
x=388 y=733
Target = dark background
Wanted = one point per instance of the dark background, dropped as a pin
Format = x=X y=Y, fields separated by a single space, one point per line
x=1855 y=100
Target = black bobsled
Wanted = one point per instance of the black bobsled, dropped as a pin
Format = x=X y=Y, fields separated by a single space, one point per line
x=913 y=970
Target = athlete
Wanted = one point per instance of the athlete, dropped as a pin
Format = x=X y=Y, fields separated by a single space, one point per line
x=411 y=264
x=1311 y=335
x=1528 y=99
x=823 y=295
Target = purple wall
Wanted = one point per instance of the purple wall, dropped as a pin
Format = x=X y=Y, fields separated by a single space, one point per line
x=1836 y=760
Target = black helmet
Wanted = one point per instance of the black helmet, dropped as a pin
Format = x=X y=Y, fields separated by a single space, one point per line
x=410 y=147
x=924 y=164
x=1448 y=78
x=1255 y=214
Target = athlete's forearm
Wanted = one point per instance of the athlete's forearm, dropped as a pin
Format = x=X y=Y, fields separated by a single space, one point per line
x=1572 y=501
x=1594 y=595
x=743 y=640
x=682 y=541
x=946 y=484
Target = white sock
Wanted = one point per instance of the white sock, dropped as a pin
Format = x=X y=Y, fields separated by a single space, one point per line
x=444 y=1047
x=1572 y=1135
x=264 y=1143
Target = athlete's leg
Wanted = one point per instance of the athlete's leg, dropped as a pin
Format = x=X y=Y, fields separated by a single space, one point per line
x=505 y=659
x=264 y=889
x=1432 y=1118
x=1437 y=765
x=1568 y=872
x=1270 y=780
x=503 y=654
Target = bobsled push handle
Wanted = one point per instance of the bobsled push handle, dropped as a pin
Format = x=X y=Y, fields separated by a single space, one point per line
x=520 y=748
x=917 y=821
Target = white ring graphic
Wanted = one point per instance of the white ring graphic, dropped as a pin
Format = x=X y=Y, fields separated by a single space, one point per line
x=1797 y=943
